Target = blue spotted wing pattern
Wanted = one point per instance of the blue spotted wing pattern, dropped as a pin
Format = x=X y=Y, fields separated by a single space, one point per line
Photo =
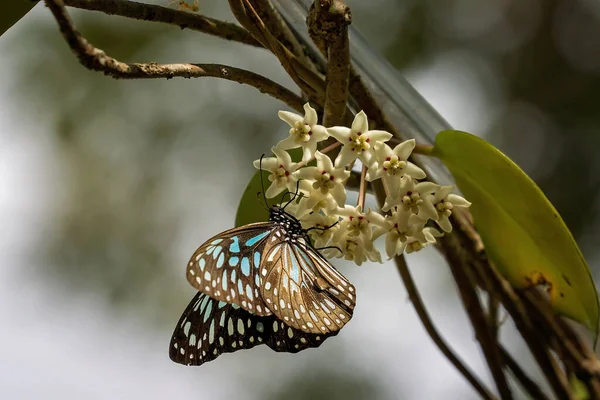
x=303 y=289
x=225 y=267
x=209 y=328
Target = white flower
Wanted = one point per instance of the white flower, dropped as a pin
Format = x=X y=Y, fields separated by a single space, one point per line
x=358 y=141
x=413 y=196
x=354 y=248
x=358 y=223
x=392 y=164
x=326 y=182
x=425 y=237
x=444 y=202
x=398 y=228
x=304 y=132
x=281 y=169
x=321 y=228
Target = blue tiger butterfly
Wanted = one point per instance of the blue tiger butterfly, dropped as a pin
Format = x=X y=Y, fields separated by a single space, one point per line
x=265 y=274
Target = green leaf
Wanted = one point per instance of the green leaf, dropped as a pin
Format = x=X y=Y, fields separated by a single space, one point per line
x=12 y=11
x=523 y=233
x=252 y=207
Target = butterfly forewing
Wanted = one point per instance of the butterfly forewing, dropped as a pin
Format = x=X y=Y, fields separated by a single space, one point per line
x=209 y=328
x=226 y=266
x=302 y=289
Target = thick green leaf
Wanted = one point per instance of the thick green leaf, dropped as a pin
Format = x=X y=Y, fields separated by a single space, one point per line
x=12 y=11
x=252 y=206
x=523 y=233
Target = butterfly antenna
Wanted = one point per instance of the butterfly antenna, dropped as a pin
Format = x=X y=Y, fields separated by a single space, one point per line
x=262 y=183
x=322 y=229
x=293 y=197
x=261 y=204
x=330 y=247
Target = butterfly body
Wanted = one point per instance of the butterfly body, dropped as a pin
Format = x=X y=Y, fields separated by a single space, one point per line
x=262 y=274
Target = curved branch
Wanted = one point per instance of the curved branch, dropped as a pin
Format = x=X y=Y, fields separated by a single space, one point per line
x=96 y=60
x=155 y=13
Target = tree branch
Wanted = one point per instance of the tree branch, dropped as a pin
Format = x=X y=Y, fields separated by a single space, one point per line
x=307 y=79
x=328 y=25
x=155 y=13
x=458 y=262
x=529 y=385
x=417 y=302
x=96 y=60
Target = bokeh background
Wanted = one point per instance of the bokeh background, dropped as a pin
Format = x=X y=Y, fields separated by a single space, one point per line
x=107 y=187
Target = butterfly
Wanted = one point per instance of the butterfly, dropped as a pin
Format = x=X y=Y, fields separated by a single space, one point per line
x=209 y=328
x=272 y=268
x=267 y=273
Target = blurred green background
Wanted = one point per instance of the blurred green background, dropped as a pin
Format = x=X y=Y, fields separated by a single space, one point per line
x=107 y=187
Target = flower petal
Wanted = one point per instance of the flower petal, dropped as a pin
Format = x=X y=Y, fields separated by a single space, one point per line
x=444 y=223
x=427 y=210
x=413 y=171
x=360 y=123
x=289 y=117
x=341 y=133
x=306 y=173
x=310 y=115
x=391 y=241
x=339 y=194
x=379 y=136
x=458 y=201
x=443 y=192
x=289 y=142
x=273 y=190
x=345 y=157
x=319 y=133
x=404 y=149
x=284 y=158
x=308 y=151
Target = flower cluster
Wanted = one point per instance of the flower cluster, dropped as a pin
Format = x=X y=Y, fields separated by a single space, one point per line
x=351 y=231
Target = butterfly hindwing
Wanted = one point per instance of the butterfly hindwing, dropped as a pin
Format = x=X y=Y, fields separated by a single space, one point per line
x=304 y=290
x=209 y=328
x=225 y=267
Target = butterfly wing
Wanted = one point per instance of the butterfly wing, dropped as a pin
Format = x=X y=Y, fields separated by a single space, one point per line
x=209 y=328
x=304 y=290
x=225 y=267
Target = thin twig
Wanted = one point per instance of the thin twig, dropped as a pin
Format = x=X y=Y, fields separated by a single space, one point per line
x=278 y=27
x=536 y=341
x=466 y=287
x=156 y=13
x=95 y=59
x=417 y=302
x=528 y=384
x=307 y=79
x=362 y=191
x=584 y=364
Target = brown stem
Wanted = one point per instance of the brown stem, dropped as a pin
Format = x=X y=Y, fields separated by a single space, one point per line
x=328 y=24
x=307 y=79
x=156 y=13
x=278 y=28
x=417 y=302
x=95 y=59
x=466 y=288
x=362 y=191
x=534 y=339
x=528 y=384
